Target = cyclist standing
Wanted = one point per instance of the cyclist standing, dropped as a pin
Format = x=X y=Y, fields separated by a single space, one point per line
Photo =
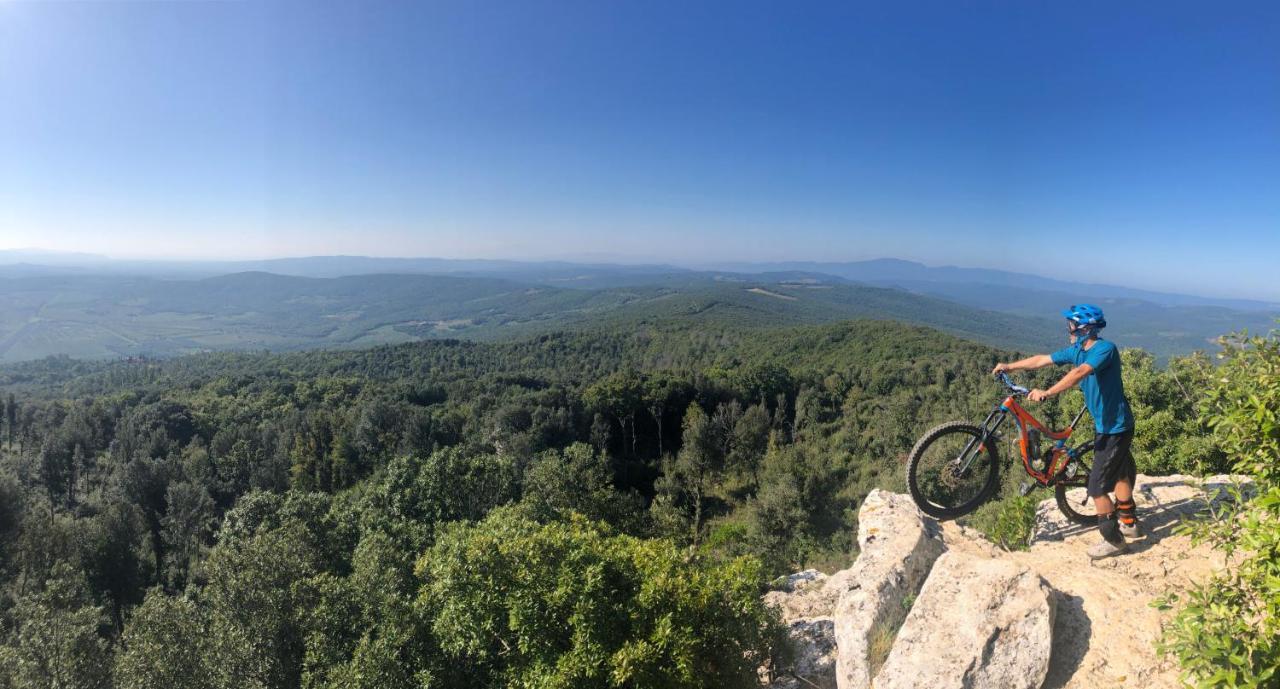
x=1096 y=369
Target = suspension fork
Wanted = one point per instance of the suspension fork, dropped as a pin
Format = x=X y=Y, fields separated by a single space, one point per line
x=989 y=426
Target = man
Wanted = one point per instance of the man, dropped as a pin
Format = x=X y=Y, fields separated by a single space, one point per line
x=1097 y=370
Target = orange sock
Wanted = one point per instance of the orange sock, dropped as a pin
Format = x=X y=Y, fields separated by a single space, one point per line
x=1126 y=510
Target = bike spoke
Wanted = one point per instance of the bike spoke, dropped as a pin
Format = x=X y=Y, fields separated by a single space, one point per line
x=947 y=475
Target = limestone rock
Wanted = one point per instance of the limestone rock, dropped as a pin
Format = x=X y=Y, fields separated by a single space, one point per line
x=899 y=545
x=803 y=595
x=813 y=642
x=806 y=604
x=806 y=607
x=978 y=622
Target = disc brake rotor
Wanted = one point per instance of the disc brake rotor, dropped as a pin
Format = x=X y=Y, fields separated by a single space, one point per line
x=952 y=476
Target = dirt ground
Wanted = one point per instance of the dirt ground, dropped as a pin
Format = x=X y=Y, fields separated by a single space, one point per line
x=1105 y=629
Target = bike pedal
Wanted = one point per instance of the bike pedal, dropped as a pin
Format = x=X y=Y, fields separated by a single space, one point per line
x=1026 y=488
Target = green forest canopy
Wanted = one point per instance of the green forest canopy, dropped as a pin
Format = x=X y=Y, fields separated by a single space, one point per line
x=449 y=513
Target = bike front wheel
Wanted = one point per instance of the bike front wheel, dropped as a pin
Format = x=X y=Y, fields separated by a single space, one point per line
x=946 y=480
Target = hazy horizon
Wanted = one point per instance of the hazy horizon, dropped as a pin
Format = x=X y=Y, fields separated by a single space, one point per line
x=58 y=258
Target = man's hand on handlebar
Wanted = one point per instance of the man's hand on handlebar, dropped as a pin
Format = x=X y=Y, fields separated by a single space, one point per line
x=1000 y=368
x=1038 y=395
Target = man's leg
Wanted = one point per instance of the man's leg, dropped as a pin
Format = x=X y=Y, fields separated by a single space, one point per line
x=1126 y=508
x=1101 y=480
x=1124 y=490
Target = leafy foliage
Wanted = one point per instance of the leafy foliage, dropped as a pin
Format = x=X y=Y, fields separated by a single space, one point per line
x=571 y=604
x=56 y=641
x=1175 y=436
x=1227 y=631
x=1007 y=522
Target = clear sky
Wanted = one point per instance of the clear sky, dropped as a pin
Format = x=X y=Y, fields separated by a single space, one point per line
x=1126 y=142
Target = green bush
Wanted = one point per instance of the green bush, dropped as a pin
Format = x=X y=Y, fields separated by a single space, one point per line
x=1007 y=522
x=1172 y=435
x=572 y=604
x=1226 y=632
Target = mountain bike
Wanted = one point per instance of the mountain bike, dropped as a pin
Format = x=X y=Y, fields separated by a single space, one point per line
x=955 y=466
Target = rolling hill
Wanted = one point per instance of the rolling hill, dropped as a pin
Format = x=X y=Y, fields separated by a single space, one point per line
x=95 y=307
x=107 y=316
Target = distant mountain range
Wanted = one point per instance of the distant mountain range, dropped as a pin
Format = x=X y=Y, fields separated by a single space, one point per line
x=90 y=306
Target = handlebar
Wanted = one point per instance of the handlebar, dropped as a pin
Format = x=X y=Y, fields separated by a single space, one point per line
x=1013 y=387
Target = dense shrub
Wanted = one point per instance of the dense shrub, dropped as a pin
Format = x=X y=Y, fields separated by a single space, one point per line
x=572 y=604
x=1227 y=631
x=1008 y=522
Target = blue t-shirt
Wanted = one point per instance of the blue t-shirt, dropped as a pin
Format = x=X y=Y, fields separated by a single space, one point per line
x=1103 y=390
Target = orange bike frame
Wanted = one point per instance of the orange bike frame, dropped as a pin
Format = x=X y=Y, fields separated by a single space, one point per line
x=1058 y=456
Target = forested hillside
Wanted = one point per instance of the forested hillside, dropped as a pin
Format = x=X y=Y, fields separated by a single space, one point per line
x=108 y=309
x=113 y=316
x=574 y=509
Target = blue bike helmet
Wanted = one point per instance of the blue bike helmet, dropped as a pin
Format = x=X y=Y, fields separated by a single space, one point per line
x=1086 y=315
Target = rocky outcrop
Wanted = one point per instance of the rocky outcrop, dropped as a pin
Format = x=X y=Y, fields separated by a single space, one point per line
x=978 y=622
x=806 y=605
x=813 y=642
x=984 y=617
x=834 y=617
x=898 y=547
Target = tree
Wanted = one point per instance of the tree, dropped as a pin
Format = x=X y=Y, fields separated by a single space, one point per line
x=253 y=607
x=144 y=483
x=723 y=422
x=165 y=646
x=764 y=381
x=1174 y=437
x=376 y=432
x=12 y=507
x=114 y=560
x=363 y=630
x=55 y=641
x=777 y=521
x=663 y=391
x=56 y=472
x=601 y=434
x=697 y=466
x=808 y=411
x=585 y=607
x=448 y=485
x=750 y=441
x=577 y=480
x=619 y=396
x=187 y=526
x=11 y=416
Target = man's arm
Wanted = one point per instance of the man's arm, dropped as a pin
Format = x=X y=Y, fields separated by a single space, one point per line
x=1030 y=363
x=1068 y=381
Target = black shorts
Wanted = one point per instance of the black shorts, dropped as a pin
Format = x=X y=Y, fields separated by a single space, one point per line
x=1112 y=461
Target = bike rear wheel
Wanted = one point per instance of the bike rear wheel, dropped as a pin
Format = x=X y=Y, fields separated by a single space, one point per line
x=1073 y=498
x=934 y=477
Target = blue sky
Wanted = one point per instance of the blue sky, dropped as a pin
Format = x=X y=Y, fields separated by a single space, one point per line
x=1133 y=143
